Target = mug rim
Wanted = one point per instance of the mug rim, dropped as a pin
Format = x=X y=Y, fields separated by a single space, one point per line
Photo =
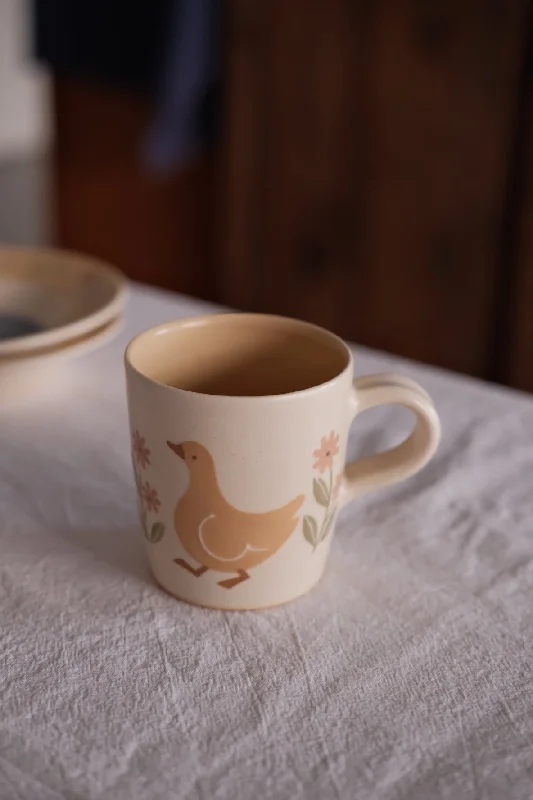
x=205 y=319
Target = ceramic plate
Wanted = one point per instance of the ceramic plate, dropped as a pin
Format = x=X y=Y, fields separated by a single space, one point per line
x=48 y=298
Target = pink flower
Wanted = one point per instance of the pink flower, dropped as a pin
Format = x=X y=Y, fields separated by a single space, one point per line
x=329 y=447
x=140 y=450
x=150 y=498
x=337 y=485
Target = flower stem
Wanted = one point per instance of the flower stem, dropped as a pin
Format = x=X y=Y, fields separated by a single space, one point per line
x=326 y=512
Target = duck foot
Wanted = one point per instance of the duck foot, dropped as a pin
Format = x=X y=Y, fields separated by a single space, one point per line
x=242 y=575
x=194 y=571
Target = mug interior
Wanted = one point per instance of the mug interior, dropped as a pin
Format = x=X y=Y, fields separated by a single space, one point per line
x=239 y=355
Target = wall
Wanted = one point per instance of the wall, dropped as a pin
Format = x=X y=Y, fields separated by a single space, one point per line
x=24 y=115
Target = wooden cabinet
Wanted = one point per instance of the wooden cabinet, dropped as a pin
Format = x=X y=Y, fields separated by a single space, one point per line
x=371 y=176
x=158 y=228
x=367 y=157
x=517 y=291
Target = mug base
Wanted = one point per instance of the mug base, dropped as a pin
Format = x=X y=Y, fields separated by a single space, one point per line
x=255 y=607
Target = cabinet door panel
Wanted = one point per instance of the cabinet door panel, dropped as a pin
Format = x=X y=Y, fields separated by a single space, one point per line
x=516 y=360
x=157 y=228
x=376 y=154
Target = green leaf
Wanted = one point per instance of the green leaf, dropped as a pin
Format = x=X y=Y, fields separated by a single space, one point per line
x=321 y=492
x=328 y=524
x=310 y=529
x=157 y=532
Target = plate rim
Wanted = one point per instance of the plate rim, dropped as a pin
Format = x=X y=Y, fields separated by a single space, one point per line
x=96 y=319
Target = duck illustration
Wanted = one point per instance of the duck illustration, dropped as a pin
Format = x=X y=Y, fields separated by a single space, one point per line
x=216 y=534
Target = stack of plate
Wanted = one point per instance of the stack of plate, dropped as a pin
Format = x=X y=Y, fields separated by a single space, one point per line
x=54 y=306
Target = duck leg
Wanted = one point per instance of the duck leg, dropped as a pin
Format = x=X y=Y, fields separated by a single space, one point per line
x=196 y=571
x=242 y=575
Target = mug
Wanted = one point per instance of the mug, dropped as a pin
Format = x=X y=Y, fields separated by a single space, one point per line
x=239 y=425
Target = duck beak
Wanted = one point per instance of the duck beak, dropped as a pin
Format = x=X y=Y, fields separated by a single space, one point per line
x=178 y=449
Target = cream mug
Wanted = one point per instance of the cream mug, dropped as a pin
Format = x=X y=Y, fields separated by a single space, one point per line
x=239 y=426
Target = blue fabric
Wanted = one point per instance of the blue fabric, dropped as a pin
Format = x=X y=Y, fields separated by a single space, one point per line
x=169 y=49
x=189 y=74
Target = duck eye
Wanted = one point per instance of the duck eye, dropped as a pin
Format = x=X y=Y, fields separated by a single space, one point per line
x=194 y=458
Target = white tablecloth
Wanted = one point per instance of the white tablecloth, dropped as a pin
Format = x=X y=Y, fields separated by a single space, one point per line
x=406 y=674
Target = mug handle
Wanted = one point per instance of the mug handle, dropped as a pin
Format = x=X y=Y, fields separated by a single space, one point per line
x=402 y=461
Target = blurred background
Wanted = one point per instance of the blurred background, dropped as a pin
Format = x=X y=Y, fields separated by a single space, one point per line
x=364 y=165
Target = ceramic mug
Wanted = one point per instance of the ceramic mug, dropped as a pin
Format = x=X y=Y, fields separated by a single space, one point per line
x=239 y=426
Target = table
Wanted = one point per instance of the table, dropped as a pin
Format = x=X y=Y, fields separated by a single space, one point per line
x=407 y=673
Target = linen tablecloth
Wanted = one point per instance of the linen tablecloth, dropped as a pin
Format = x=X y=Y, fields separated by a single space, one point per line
x=407 y=673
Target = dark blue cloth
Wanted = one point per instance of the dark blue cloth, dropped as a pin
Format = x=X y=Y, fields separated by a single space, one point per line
x=189 y=77
x=112 y=42
x=169 y=49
